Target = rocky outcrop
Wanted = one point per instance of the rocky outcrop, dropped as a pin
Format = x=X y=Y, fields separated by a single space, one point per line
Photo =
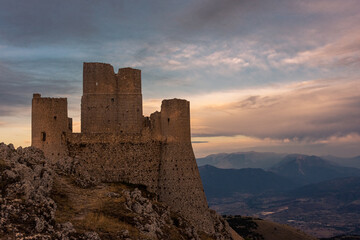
x=27 y=211
x=39 y=201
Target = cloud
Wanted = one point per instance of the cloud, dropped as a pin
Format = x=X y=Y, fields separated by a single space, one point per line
x=342 y=53
x=218 y=54
x=327 y=6
x=199 y=141
x=227 y=18
x=40 y=21
x=308 y=111
x=17 y=87
x=346 y=146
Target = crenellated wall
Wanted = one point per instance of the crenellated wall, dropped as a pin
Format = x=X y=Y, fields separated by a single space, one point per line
x=118 y=143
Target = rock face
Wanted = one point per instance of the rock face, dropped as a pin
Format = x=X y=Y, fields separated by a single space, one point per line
x=27 y=211
x=43 y=201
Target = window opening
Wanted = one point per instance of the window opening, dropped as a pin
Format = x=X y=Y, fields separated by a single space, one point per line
x=43 y=136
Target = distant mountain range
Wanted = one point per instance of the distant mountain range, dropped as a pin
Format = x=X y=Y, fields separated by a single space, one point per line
x=220 y=183
x=347 y=162
x=264 y=160
x=343 y=189
x=291 y=172
x=319 y=196
x=240 y=160
x=305 y=169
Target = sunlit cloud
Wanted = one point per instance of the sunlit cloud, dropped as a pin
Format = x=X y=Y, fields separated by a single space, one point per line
x=313 y=109
x=345 y=146
x=345 y=52
x=321 y=113
x=15 y=130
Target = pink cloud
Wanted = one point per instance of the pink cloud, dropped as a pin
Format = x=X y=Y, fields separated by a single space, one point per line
x=309 y=110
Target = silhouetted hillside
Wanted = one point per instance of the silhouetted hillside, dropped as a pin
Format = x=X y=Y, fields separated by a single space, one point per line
x=347 y=162
x=240 y=160
x=342 y=189
x=311 y=169
x=322 y=209
x=259 y=229
x=227 y=182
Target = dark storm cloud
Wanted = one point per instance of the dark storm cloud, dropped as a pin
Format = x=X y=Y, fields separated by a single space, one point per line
x=27 y=23
x=39 y=21
x=35 y=22
x=234 y=17
x=16 y=89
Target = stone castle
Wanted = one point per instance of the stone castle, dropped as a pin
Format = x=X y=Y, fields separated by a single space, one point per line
x=117 y=143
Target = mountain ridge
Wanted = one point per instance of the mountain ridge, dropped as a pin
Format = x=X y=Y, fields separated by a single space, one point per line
x=311 y=169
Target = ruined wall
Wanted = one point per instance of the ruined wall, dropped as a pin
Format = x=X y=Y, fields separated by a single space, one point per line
x=111 y=102
x=175 y=120
x=50 y=124
x=179 y=180
x=115 y=157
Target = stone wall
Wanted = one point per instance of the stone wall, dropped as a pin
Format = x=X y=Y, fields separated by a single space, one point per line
x=114 y=157
x=180 y=184
x=111 y=102
x=49 y=125
x=168 y=169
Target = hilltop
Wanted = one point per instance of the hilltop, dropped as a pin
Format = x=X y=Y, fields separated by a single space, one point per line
x=43 y=201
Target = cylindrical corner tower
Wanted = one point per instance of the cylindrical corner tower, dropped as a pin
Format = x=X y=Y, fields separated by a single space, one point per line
x=175 y=120
x=180 y=184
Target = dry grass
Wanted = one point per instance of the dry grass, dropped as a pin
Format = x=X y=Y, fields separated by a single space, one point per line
x=204 y=236
x=91 y=209
x=276 y=231
x=101 y=223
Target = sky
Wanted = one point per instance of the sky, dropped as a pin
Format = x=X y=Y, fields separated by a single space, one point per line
x=275 y=76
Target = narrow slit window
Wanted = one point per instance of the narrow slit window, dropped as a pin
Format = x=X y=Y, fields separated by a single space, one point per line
x=43 y=136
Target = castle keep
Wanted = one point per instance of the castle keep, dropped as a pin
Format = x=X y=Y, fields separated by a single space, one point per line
x=117 y=143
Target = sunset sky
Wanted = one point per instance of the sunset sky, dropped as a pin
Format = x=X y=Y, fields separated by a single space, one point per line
x=279 y=75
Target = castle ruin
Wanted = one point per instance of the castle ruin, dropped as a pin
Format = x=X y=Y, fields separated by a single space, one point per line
x=117 y=143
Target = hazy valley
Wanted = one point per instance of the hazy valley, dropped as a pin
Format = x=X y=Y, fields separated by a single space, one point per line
x=319 y=196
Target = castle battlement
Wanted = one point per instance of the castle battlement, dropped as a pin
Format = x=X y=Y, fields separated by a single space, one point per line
x=118 y=143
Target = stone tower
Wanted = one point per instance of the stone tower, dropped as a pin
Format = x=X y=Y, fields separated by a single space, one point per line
x=179 y=179
x=50 y=124
x=111 y=102
x=117 y=143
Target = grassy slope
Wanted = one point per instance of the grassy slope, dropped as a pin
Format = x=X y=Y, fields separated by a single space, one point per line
x=257 y=229
x=92 y=210
x=276 y=231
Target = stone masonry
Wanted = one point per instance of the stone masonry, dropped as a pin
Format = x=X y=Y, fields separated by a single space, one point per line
x=117 y=143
